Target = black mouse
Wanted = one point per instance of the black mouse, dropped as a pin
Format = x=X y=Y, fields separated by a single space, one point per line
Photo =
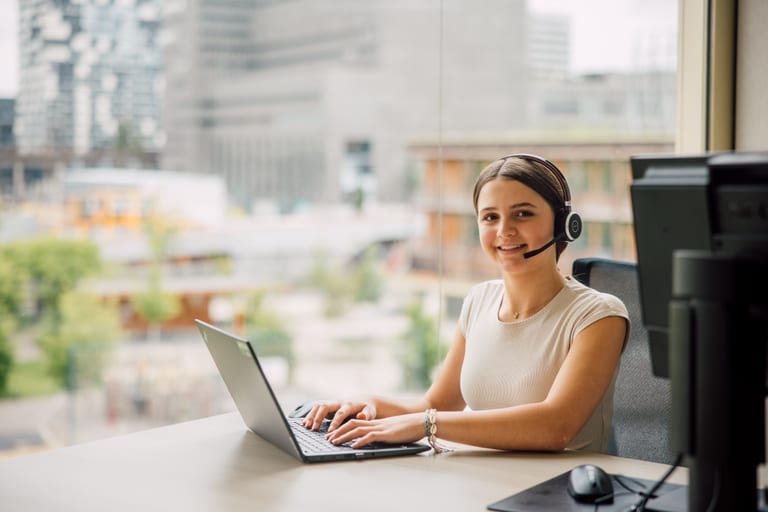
x=302 y=410
x=588 y=483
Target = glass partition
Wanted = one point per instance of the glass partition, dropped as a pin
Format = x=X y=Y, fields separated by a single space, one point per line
x=298 y=172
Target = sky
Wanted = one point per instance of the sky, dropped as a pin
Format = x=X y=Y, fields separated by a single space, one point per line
x=617 y=34
x=606 y=35
x=9 y=59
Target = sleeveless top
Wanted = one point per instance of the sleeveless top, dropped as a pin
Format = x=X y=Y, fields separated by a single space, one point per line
x=514 y=363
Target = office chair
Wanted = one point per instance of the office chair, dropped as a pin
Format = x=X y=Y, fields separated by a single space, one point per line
x=642 y=401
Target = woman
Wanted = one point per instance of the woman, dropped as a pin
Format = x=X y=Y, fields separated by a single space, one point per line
x=533 y=361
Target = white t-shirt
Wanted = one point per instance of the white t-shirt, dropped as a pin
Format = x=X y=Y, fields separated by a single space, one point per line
x=513 y=363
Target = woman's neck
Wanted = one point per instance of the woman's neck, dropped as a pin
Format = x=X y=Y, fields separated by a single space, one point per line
x=526 y=294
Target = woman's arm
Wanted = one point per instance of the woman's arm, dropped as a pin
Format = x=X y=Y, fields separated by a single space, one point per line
x=547 y=425
x=444 y=394
x=553 y=423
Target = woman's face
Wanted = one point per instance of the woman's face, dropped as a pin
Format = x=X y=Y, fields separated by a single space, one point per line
x=514 y=219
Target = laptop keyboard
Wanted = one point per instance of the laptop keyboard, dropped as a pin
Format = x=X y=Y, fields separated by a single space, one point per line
x=314 y=441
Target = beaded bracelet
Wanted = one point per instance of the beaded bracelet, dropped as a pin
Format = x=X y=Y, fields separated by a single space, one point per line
x=430 y=430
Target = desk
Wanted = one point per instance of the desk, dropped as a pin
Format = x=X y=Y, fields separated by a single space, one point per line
x=215 y=464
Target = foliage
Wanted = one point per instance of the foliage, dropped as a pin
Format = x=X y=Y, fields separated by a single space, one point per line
x=334 y=286
x=421 y=353
x=31 y=378
x=368 y=282
x=51 y=268
x=153 y=304
x=12 y=282
x=6 y=361
x=364 y=285
x=358 y=199
x=77 y=347
x=267 y=331
x=127 y=143
x=159 y=233
x=11 y=296
x=34 y=276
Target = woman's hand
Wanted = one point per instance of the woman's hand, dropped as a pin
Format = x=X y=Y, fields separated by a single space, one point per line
x=339 y=411
x=395 y=429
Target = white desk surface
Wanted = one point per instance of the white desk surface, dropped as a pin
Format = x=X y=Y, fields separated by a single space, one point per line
x=216 y=464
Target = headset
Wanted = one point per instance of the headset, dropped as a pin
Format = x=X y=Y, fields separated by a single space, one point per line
x=568 y=224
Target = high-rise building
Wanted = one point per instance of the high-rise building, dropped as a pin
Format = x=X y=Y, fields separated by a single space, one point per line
x=90 y=77
x=7 y=113
x=549 y=46
x=309 y=100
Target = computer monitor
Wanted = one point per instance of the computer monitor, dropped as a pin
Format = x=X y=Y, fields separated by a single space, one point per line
x=701 y=228
x=671 y=210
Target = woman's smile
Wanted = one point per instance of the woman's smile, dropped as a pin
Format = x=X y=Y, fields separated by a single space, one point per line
x=511 y=248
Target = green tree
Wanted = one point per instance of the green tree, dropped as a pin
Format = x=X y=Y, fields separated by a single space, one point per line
x=368 y=281
x=11 y=298
x=335 y=287
x=52 y=268
x=358 y=199
x=6 y=358
x=268 y=332
x=154 y=304
x=38 y=273
x=79 y=345
x=421 y=348
x=127 y=143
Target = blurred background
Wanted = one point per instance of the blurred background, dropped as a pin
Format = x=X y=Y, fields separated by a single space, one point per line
x=296 y=171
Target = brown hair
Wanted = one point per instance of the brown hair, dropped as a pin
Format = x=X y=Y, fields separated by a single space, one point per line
x=531 y=174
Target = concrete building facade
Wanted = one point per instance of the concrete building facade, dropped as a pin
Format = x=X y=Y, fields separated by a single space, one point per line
x=315 y=101
x=90 y=77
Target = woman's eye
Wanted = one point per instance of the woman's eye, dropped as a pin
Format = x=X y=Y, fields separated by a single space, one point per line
x=523 y=213
x=489 y=217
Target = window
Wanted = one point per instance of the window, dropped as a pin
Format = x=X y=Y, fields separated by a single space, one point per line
x=316 y=159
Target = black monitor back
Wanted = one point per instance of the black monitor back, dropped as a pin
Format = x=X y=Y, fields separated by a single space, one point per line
x=671 y=209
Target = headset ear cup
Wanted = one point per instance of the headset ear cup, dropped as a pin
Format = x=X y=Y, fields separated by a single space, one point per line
x=573 y=226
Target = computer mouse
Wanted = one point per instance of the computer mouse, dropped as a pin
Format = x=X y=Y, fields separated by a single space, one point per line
x=588 y=483
x=302 y=410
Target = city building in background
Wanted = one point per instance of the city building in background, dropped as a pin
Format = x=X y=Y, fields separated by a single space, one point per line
x=90 y=81
x=7 y=115
x=639 y=105
x=291 y=112
x=549 y=46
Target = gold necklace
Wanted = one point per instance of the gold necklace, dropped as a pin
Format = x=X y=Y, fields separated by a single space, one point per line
x=516 y=315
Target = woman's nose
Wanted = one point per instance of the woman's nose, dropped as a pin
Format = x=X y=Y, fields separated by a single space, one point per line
x=507 y=228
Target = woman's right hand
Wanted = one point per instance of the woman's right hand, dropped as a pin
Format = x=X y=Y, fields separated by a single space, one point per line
x=339 y=411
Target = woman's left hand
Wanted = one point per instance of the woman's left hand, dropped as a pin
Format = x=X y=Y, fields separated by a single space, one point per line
x=395 y=429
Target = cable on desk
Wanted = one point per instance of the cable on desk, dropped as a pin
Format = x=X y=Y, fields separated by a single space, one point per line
x=640 y=505
x=715 y=493
x=620 y=479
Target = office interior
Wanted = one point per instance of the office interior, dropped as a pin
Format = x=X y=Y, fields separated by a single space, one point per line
x=721 y=108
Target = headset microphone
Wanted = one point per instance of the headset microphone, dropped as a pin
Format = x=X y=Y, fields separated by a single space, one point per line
x=543 y=248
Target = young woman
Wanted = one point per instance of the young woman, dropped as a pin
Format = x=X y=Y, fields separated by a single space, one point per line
x=534 y=358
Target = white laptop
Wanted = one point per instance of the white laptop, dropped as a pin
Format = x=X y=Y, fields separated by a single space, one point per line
x=245 y=380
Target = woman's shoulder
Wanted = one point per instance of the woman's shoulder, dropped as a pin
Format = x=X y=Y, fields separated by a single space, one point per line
x=589 y=297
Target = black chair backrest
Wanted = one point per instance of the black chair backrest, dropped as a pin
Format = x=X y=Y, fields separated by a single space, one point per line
x=642 y=401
